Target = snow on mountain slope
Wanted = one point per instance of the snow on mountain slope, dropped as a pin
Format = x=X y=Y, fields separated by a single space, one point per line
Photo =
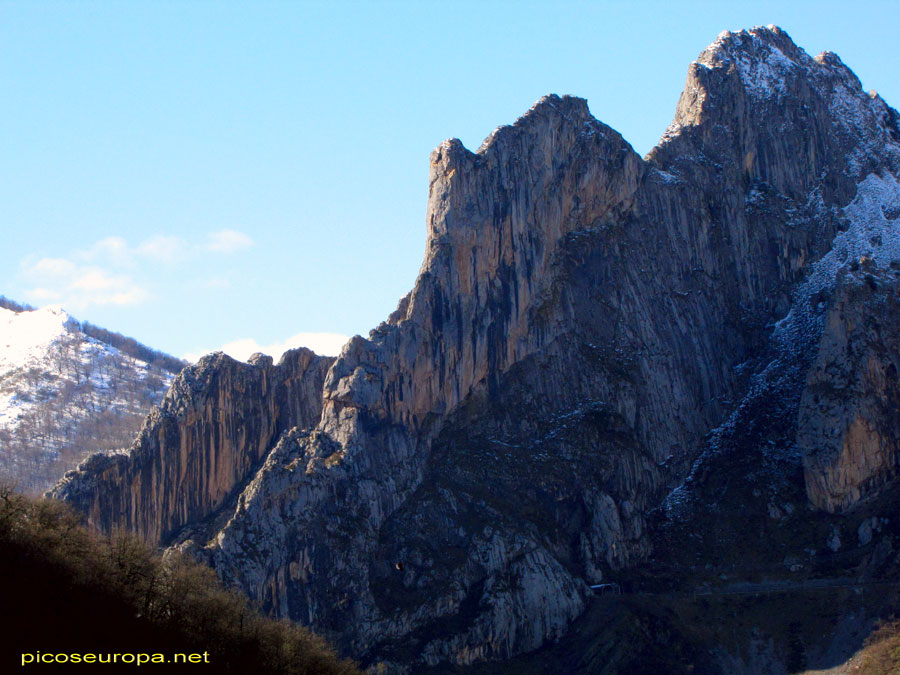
x=64 y=395
x=27 y=335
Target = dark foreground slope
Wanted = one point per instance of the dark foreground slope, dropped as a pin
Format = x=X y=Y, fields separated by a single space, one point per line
x=594 y=340
x=68 y=592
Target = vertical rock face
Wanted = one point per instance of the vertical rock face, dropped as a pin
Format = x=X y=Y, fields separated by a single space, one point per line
x=495 y=219
x=582 y=319
x=205 y=439
x=848 y=422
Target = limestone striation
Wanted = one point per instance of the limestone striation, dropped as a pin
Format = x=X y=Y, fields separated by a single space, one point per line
x=207 y=437
x=449 y=489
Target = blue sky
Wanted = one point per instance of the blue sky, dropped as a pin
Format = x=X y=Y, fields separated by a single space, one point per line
x=194 y=174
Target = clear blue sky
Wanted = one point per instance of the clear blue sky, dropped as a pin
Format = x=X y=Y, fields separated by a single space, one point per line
x=195 y=173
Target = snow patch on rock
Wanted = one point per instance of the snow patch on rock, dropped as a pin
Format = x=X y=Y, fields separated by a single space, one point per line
x=870 y=236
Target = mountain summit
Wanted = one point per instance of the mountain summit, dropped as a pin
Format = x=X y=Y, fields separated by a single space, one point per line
x=593 y=338
x=68 y=390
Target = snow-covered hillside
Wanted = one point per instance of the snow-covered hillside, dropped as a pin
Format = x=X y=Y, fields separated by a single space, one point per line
x=64 y=395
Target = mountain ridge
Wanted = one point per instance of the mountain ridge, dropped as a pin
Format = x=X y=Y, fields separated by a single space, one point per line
x=422 y=517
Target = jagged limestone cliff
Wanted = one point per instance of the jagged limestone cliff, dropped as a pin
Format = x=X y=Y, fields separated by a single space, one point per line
x=582 y=319
x=207 y=437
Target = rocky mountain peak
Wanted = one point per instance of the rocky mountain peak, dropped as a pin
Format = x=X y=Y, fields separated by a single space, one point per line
x=754 y=50
x=569 y=108
x=489 y=247
x=758 y=104
x=448 y=488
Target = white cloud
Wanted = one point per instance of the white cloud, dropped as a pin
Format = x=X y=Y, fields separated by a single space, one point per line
x=108 y=251
x=113 y=272
x=163 y=248
x=58 y=280
x=116 y=252
x=227 y=241
x=327 y=344
x=54 y=267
